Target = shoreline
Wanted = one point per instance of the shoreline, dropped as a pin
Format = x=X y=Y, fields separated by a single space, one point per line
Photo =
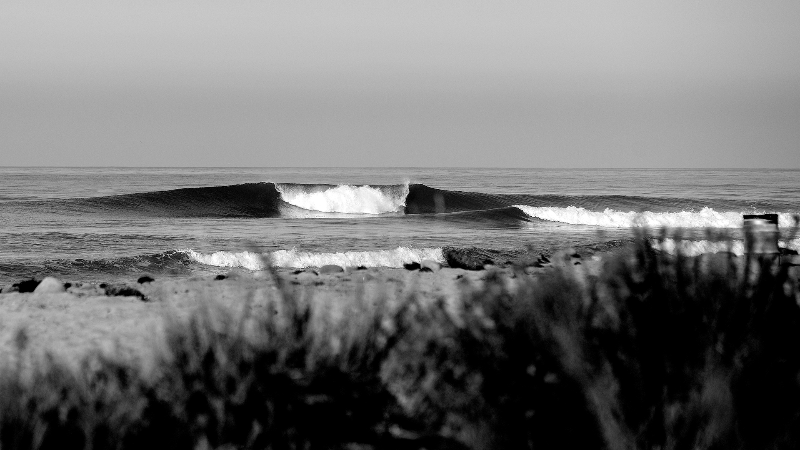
x=310 y=327
x=128 y=319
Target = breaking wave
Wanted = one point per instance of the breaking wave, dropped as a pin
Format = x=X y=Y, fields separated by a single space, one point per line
x=345 y=198
x=298 y=259
x=609 y=218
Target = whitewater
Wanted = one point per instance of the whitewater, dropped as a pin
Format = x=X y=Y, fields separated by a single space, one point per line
x=346 y=199
x=609 y=218
x=688 y=247
x=299 y=259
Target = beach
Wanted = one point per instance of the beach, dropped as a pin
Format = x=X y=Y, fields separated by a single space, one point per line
x=86 y=318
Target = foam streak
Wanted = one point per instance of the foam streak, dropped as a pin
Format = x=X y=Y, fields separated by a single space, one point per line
x=297 y=259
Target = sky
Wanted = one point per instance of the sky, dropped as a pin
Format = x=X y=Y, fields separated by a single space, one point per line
x=566 y=84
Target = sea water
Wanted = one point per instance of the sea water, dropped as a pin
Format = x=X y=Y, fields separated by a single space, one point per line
x=102 y=223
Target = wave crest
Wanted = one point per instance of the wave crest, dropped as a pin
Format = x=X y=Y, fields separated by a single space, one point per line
x=297 y=259
x=345 y=198
x=609 y=218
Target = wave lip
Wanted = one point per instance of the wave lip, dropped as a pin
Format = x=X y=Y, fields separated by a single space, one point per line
x=609 y=218
x=344 y=198
x=298 y=259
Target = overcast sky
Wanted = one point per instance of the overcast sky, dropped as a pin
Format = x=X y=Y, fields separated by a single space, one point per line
x=698 y=83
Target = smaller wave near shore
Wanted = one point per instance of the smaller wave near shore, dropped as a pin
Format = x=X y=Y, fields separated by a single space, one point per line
x=298 y=259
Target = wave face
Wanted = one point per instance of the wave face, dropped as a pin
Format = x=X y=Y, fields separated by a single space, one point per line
x=297 y=259
x=241 y=200
x=345 y=199
x=609 y=218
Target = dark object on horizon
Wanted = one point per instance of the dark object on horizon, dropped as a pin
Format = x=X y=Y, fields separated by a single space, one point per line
x=575 y=255
x=761 y=234
x=298 y=271
x=123 y=291
x=361 y=268
x=145 y=279
x=67 y=285
x=26 y=285
x=411 y=266
x=221 y=277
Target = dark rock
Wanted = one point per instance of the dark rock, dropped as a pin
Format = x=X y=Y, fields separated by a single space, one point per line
x=575 y=255
x=67 y=285
x=295 y=272
x=26 y=286
x=471 y=258
x=123 y=291
x=361 y=268
x=102 y=285
x=331 y=268
x=577 y=263
x=145 y=279
x=787 y=251
x=543 y=258
x=412 y=266
x=221 y=277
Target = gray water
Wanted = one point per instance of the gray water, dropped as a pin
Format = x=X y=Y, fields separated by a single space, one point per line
x=42 y=231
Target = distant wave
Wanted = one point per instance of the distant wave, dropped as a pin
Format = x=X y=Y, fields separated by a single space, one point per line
x=292 y=200
x=297 y=259
x=609 y=218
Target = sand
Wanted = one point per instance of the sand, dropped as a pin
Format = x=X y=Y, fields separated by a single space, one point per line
x=70 y=324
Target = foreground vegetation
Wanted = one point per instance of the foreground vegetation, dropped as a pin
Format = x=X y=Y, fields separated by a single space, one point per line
x=657 y=351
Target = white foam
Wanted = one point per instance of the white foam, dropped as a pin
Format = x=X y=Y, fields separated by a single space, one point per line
x=609 y=218
x=699 y=247
x=695 y=248
x=346 y=199
x=297 y=259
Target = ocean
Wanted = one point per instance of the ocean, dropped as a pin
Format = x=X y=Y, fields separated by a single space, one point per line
x=90 y=224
